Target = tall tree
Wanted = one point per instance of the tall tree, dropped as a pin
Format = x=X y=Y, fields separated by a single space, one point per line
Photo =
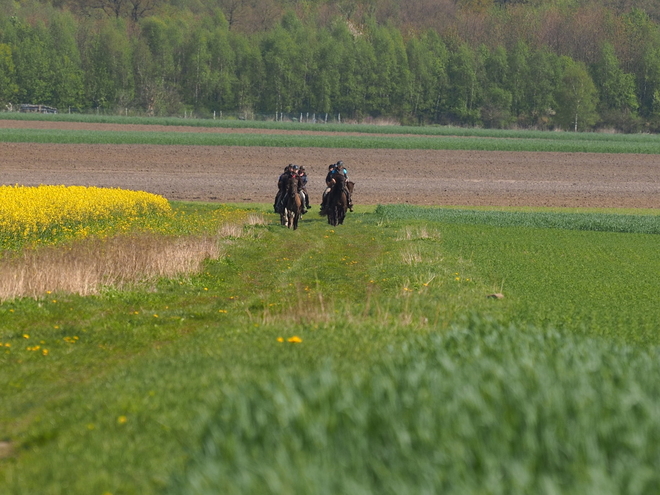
x=107 y=64
x=32 y=55
x=496 y=99
x=248 y=81
x=616 y=88
x=543 y=79
x=463 y=85
x=278 y=51
x=68 y=87
x=8 y=86
x=576 y=97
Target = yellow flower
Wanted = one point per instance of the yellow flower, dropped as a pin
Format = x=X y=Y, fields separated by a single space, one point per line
x=295 y=340
x=26 y=336
x=280 y=339
x=122 y=420
x=45 y=352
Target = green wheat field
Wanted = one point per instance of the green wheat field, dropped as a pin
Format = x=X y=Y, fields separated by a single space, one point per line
x=361 y=359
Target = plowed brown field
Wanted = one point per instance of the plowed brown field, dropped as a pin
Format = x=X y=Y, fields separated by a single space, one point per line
x=249 y=174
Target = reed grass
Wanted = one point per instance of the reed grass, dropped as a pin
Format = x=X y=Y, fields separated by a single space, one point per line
x=86 y=267
x=89 y=265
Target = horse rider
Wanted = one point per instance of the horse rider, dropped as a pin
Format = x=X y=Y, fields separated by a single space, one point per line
x=303 y=186
x=334 y=170
x=295 y=170
x=329 y=181
x=342 y=170
x=281 y=187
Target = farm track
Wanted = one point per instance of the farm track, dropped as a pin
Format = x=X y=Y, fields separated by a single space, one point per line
x=249 y=174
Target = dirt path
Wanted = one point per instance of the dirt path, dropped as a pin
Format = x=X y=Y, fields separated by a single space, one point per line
x=249 y=174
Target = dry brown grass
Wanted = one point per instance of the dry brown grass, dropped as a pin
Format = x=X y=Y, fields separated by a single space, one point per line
x=85 y=267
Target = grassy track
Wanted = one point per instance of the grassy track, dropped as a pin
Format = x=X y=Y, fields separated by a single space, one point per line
x=396 y=386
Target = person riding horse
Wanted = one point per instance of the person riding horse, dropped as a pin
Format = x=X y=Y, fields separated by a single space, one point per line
x=336 y=170
x=290 y=171
x=281 y=187
x=303 y=187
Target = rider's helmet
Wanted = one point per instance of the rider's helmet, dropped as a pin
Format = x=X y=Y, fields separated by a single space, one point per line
x=296 y=167
x=302 y=169
x=340 y=164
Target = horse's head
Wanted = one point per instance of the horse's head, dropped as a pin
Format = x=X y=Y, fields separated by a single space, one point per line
x=292 y=184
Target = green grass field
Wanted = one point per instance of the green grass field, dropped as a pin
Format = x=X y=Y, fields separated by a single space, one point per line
x=368 y=136
x=365 y=358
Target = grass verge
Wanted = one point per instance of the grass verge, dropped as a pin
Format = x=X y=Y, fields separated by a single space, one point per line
x=251 y=376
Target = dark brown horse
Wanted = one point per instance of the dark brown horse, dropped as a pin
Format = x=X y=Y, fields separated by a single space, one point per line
x=336 y=203
x=292 y=203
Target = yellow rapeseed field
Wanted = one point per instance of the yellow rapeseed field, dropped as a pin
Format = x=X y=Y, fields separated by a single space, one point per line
x=48 y=214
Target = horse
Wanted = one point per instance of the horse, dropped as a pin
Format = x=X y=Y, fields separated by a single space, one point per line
x=292 y=204
x=336 y=203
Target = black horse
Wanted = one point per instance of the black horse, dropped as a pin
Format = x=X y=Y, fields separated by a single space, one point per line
x=291 y=204
x=336 y=203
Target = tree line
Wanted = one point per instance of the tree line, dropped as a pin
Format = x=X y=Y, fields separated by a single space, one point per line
x=572 y=66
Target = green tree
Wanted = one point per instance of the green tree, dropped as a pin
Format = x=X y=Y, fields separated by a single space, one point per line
x=641 y=40
x=281 y=80
x=351 y=80
x=542 y=82
x=390 y=88
x=463 y=85
x=107 y=61
x=325 y=87
x=248 y=80
x=197 y=79
x=496 y=99
x=518 y=80
x=66 y=64
x=8 y=86
x=576 y=97
x=618 y=101
x=32 y=61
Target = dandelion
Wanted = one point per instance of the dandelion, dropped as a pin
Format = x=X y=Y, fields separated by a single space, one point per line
x=295 y=340
x=280 y=339
x=122 y=420
x=222 y=311
x=26 y=336
x=44 y=352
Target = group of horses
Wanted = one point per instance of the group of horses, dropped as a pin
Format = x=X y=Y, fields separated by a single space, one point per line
x=336 y=204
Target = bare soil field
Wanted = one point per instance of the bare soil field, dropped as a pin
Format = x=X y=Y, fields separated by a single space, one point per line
x=232 y=174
